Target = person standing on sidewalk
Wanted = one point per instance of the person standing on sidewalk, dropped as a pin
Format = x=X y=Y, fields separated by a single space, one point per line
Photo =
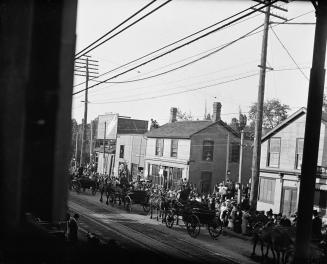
x=73 y=229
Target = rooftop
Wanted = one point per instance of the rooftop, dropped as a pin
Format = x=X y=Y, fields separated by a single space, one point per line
x=184 y=129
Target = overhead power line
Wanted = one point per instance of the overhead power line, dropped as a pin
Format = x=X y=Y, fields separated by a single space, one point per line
x=178 y=47
x=175 y=42
x=122 y=30
x=220 y=47
x=303 y=14
x=250 y=74
x=289 y=54
x=184 y=91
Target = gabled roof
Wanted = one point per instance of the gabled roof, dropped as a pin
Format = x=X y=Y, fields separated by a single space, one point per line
x=184 y=129
x=302 y=111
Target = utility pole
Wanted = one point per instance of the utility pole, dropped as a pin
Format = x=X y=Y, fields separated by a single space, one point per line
x=91 y=141
x=311 y=136
x=227 y=157
x=82 y=68
x=85 y=109
x=259 y=116
x=104 y=146
x=76 y=145
x=239 y=191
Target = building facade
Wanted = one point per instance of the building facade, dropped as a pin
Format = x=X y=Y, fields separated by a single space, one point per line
x=130 y=153
x=280 y=166
x=124 y=144
x=202 y=152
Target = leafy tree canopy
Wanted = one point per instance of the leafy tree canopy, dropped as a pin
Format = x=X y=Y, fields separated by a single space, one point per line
x=274 y=112
x=154 y=124
x=183 y=116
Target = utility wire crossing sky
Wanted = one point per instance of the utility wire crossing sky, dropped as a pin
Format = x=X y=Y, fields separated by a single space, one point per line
x=214 y=52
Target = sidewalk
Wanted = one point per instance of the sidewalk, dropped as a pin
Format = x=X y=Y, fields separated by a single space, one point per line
x=231 y=233
x=231 y=244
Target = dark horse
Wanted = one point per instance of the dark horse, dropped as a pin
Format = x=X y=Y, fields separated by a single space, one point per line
x=113 y=192
x=103 y=182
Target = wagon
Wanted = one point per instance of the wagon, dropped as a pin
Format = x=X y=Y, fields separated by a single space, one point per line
x=84 y=183
x=195 y=216
x=140 y=197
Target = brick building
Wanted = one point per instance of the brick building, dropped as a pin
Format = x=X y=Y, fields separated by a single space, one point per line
x=197 y=151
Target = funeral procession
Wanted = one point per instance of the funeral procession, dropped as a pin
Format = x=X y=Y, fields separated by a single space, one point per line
x=163 y=131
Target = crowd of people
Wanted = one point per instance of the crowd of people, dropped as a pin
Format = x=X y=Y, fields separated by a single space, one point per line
x=223 y=198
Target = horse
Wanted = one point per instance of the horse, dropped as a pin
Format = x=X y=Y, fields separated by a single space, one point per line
x=102 y=186
x=158 y=202
x=276 y=238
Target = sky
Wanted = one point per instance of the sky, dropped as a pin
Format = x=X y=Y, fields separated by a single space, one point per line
x=229 y=76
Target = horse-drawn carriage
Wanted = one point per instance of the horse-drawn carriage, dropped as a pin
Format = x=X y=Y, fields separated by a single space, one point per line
x=84 y=182
x=140 y=197
x=194 y=215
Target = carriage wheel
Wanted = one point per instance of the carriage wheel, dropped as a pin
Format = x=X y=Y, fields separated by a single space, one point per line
x=193 y=225
x=215 y=228
x=170 y=217
x=128 y=202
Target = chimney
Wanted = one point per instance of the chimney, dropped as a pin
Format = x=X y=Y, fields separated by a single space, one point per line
x=173 y=113
x=216 y=111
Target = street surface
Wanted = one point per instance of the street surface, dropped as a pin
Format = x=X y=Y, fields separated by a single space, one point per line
x=138 y=234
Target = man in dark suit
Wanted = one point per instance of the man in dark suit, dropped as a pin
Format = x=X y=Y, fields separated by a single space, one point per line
x=73 y=229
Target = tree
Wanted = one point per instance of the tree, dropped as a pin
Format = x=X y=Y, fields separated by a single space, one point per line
x=208 y=117
x=74 y=136
x=274 y=112
x=235 y=124
x=240 y=123
x=154 y=124
x=183 y=116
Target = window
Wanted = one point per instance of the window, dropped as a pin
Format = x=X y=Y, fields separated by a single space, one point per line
x=235 y=153
x=159 y=147
x=273 y=152
x=267 y=190
x=207 y=153
x=174 y=148
x=299 y=153
x=121 y=151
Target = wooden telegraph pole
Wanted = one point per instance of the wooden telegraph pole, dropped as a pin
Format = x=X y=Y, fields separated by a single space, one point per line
x=76 y=144
x=239 y=191
x=311 y=136
x=227 y=158
x=82 y=68
x=104 y=147
x=259 y=115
